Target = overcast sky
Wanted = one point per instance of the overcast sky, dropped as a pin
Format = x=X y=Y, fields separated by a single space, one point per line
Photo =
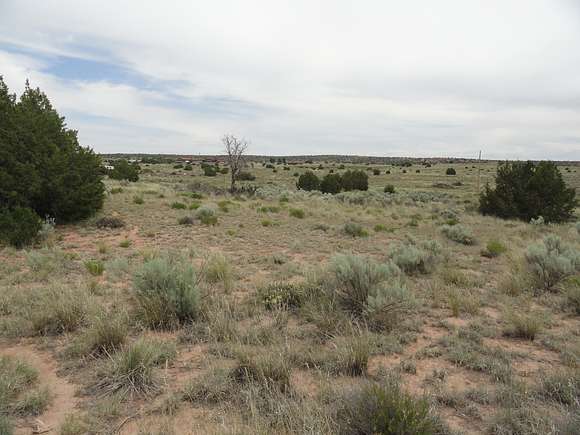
x=384 y=77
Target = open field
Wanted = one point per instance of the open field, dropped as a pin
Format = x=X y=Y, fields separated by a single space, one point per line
x=468 y=339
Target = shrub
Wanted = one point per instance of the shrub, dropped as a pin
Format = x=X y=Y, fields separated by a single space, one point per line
x=95 y=267
x=458 y=233
x=185 y=220
x=138 y=199
x=355 y=230
x=282 y=295
x=19 y=226
x=42 y=165
x=125 y=243
x=551 y=260
x=450 y=171
x=178 y=206
x=123 y=170
x=116 y=190
x=376 y=172
x=207 y=215
x=386 y=409
x=110 y=222
x=297 y=213
x=358 y=278
x=209 y=171
x=524 y=190
x=389 y=188
x=573 y=294
x=493 y=249
x=190 y=168
x=330 y=184
x=417 y=259
x=167 y=292
x=355 y=180
x=245 y=176
x=523 y=325
x=308 y=181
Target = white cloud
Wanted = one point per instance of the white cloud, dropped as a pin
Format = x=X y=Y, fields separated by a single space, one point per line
x=370 y=77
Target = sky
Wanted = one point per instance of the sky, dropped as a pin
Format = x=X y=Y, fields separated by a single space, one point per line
x=372 y=77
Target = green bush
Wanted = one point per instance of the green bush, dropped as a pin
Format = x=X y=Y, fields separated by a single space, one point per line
x=207 y=215
x=450 y=171
x=376 y=172
x=190 y=168
x=386 y=409
x=308 y=181
x=19 y=226
x=297 y=213
x=331 y=183
x=355 y=180
x=282 y=295
x=551 y=260
x=138 y=199
x=525 y=190
x=355 y=230
x=411 y=258
x=389 y=188
x=178 y=206
x=95 y=267
x=42 y=165
x=458 y=233
x=123 y=170
x=493 y=249
x=245 y=176
x=167 y=292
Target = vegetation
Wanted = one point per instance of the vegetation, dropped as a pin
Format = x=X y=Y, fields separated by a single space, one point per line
x=525 y=190
x=123 y=170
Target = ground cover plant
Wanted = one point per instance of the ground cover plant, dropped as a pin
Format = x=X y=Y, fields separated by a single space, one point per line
x=204 y=311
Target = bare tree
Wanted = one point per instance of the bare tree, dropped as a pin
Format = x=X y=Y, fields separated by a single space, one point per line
x=235 y=149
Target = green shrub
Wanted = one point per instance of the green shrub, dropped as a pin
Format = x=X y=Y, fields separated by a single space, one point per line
x=297 y=213
x=523 y=325
x=43 y=167
x=282 y=295
x=123 y=170
x=450 y=171
x=178 y=206
x=167 y=292
x=138 y=199
x=308 y=181
x=493 y=249
x=386 y=409
x=525 y=190
x=551 y=260
x=355 y=230
x=389 y=188
x=209 y=171
x=19 y=226
x=190 y=168
x=411 y=258
x=224 y=206
x=116 y=190
x=458 y=233
x=376 y=172
x=95 y=267
x=207 y=215
x=194 y=205
x=331 y=183
x=125 y=243
x=245 y=176
x=355 y=180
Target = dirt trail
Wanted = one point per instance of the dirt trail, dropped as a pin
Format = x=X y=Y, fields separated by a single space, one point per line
x=61 y=390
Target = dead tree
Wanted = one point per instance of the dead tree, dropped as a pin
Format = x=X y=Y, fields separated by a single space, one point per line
x=235 y=149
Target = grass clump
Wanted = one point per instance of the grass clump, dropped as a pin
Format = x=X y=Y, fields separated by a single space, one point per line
x=167 y=292
x=105 y=334
x=550 y=261
x=297 y=213
x=572 y=291
x=493 y=249
x=355 y=230
x=282 y=295
x=526 y=325
x=562 y=388
x=207 y=216
x=270 y=369
x=95 y=267
x=178 y=206
x=385 y=409
x=58 y=309
x=458 y=233
x=218 y=269
x=138 y=199
x=130 y=371
x=185 y=220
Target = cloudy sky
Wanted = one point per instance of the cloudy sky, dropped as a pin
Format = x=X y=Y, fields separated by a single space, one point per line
x=384 y=77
